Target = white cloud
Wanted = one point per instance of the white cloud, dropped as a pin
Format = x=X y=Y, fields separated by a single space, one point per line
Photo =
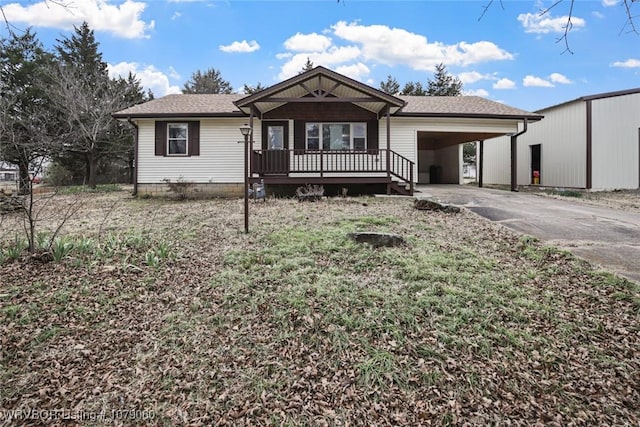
x=355 y=71
x=544 y=24
x=354 y=49
x=559 y=78
x=307 y=42
x=504 y=84
x=149 y=76
x=176 y=16
x=629 y=63
x=173 y=73
x=597 y=14
x=473 y=76
x=476 y=92
x=330 y=58
x=394 y=46
x=122 y=20
x=609 y=3
x=240 y=47
x=533 y=81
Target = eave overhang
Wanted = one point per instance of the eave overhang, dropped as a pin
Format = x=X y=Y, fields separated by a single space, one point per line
x=176 y=115
x=531 y=118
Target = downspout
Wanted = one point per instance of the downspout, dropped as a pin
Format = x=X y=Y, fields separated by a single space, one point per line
x=135 y=155
x=514 y=157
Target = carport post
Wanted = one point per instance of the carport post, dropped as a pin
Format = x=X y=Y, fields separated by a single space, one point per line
x=514 y=163
x=480 y=161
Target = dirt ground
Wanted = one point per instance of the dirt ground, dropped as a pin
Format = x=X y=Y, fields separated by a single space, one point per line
x=628 y=200
x=167 y=309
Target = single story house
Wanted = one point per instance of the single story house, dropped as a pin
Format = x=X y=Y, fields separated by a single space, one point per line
x=8 y=172
x=590 y=143
x=319 y=127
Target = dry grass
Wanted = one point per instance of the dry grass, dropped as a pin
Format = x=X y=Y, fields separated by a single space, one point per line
x=168 y=307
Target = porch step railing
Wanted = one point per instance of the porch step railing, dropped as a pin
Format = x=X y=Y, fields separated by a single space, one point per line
x=377 y=162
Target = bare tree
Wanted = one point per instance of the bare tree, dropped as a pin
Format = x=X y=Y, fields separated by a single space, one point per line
x=55 y=3
x=628 y=27
x=86 y=110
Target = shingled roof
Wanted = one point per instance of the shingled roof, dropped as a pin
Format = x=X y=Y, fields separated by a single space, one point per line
x=215 y=105
x=461 y=106
x=185 y=105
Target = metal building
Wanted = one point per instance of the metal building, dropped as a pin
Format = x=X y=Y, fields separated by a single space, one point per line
x=592 y=143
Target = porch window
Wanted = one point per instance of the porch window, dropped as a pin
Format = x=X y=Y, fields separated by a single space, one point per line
x=177 y=139
x=336 y=136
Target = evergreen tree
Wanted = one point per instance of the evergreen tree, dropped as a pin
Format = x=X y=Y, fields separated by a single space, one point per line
x=80 y=51
x=249 y=90
x=444 y=84
x=308 y=66
x=210 y=81
x=390 y=86
x=413 y=89
x=27 y=124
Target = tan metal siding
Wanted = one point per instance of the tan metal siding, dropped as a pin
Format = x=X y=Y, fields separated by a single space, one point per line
x=615 y=142
x=562 y=136
x=496 y=161
x=220 y=159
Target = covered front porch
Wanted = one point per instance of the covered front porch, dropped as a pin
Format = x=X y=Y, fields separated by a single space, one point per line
x=324 y=128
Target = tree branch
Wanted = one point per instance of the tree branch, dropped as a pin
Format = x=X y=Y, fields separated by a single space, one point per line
x=630 y=18
x=486 y=7
x=567 y=27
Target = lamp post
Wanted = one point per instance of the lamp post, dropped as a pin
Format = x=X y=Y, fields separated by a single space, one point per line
x=245 y=130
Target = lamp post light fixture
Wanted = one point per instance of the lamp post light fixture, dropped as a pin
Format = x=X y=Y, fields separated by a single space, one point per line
x=245 y=130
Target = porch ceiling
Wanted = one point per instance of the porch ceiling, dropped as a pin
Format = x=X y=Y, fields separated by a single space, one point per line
x=437 y=140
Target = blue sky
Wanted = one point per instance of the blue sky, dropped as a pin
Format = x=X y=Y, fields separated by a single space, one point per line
x=511 y=55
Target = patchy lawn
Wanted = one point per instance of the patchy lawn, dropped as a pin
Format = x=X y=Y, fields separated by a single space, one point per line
x=166 y=309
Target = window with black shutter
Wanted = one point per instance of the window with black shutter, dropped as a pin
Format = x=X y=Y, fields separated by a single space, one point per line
x=177 y=139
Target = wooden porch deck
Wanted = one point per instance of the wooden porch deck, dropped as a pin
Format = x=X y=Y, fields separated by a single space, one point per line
x=375 y=166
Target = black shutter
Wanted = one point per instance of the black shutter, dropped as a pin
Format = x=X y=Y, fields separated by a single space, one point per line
x=194 y=138
x=161 y=138
x=372 y=135
x=299 y=135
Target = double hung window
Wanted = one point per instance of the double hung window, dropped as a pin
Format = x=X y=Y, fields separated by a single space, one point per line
x=336 y=136
x=177 y=139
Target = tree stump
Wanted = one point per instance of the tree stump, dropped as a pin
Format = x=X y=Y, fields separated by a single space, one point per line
x=377 y=239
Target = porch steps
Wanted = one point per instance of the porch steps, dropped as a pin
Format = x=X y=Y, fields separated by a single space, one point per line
x=401 y=188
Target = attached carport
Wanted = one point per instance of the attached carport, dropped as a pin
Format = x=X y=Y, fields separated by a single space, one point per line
x=443 y=123
x=439 y=157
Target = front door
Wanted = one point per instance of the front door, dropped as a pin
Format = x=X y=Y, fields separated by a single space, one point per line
x=275 y=146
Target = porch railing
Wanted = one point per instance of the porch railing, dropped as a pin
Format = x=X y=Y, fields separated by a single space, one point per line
x=379 y=162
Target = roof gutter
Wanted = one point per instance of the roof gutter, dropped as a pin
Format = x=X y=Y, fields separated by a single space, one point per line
x=514 y=156
x=135 y=155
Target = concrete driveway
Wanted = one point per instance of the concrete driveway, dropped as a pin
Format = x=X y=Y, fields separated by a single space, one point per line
x=607 y=237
